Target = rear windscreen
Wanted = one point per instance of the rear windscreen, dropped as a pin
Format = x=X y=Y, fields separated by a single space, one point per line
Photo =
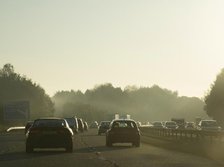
x=49 y=123
x=70 y=121
x=123 y=124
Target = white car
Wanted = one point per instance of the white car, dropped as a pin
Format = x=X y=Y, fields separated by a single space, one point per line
x=170 y=125
x=209 y=125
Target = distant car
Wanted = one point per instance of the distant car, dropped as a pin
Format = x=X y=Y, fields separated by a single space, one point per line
x=28 y=125
x=94 y=124
x=86 y=126
x=190 y=125
x=123 y=131
x=170 y=125
x=49 y=133
x=157 y=124
x=180 y=122
x=209 y=125
x=73 y=124
x=104 y=126
x=146 y=124
x=81 y=125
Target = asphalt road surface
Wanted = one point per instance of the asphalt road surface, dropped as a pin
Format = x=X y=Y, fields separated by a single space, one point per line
x=90 y=151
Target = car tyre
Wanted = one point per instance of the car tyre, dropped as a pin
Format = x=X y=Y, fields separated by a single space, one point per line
x=137 y=144
x=29 y=148
x=69 y=148
x=108 y=143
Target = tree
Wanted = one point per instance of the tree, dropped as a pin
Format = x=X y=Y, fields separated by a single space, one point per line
x=143 y=104
x=14 y=87
x=214 y=100
x=7 y=70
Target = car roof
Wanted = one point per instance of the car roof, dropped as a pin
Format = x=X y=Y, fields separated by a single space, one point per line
x=124 y=120
x=170 y=122
x=157 y=122
x=208 y=120
x=50 y=118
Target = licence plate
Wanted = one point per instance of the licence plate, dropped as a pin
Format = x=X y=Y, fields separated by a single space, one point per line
x=49 y=132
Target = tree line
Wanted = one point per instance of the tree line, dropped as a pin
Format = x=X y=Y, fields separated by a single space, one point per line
x=103 y=101
x=145 y=103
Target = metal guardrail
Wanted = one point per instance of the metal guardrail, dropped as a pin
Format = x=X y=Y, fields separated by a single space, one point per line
x=183 y=134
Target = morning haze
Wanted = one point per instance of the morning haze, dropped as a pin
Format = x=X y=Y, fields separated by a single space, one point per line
x=112 y=83
x=77 y=44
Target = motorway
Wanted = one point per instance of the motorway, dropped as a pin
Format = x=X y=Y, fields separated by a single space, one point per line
x=90 y=151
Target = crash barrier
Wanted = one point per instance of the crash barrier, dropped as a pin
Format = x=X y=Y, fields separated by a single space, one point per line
x=183 y=134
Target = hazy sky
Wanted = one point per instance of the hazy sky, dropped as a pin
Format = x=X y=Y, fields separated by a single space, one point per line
x=68 y=44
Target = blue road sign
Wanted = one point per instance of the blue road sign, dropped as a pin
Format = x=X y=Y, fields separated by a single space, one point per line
x=18 y=110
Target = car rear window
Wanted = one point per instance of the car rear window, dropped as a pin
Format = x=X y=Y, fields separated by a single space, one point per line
x=124 y=124
x=49 y=123
x=209 y=123
x=70 y=121
x=171 y=123
x=106 y=124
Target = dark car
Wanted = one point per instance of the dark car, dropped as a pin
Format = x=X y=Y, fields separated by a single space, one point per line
x=94 y=125
x=49 y=133
x=73 y=124
x=104 y=126
x=86 y=126
x=157 y=125
x=123 y=131
x=28 y=125
x=81 y=125
x=190 y=125
x=170 y=125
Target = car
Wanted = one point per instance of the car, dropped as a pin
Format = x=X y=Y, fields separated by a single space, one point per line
x=180 y=122
x=139 y=124
x=73 y=124
x=170 y=125
x=104 y=126
x=86 y=126
x=28 y=125
x=209 y=125
x=81 y=125
x=94 y=125
x=49 y=133
x=157 y=124
x=123 y=131
x=190 y=125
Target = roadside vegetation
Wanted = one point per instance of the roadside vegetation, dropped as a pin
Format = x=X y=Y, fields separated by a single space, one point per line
x=14 y=87
x=214 y=100
x=103 y=101
x=144 y=103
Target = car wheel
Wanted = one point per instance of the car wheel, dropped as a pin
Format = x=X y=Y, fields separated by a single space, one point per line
x=137 y=144
x=108 y=143
x=69 y=148
x=29 y=148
